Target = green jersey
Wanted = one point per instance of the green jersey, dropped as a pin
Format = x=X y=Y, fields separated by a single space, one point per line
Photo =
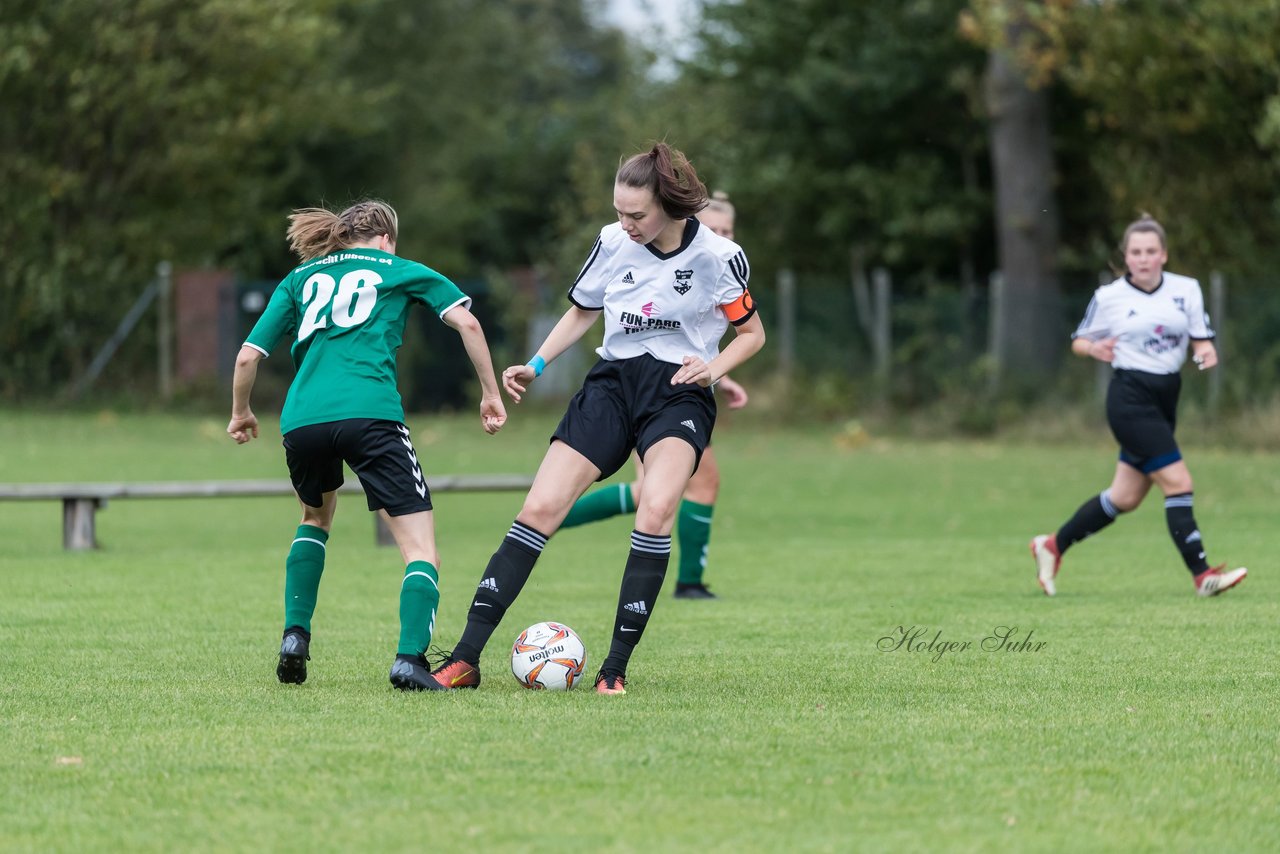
x=345 y=314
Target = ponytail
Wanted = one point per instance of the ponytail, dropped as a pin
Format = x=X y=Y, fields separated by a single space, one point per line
x=316 y=232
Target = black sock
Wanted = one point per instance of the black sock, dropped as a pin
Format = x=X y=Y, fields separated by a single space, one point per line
x=641 y=584
x=501 y=583
x=1185 y=533
x=1094 y=515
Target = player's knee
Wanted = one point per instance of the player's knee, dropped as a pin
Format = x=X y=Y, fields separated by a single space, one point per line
x=1124 y=501
x=541 y=514
x=657 y=516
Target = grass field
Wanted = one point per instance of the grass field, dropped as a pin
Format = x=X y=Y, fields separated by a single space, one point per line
x=141 y=712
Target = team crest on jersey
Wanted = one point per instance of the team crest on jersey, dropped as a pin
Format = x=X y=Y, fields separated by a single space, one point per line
x=1181 y=303
x=683 y=284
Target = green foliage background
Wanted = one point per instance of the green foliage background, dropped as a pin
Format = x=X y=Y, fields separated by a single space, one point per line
x=149 y=130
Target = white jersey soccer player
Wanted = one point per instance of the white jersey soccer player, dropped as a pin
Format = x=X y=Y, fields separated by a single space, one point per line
x=669 y=305
x=1152 y=329
x=668 y=289
x=1142 y=325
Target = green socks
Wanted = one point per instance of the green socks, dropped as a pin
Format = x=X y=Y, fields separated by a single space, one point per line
x=693 y=532
x=302 y=571
x=419 y=596
x=604 y=502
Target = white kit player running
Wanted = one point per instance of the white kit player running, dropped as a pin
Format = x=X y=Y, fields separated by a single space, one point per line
x=668 y=289
x=1142 y=324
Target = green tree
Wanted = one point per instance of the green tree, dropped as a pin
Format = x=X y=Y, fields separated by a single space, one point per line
x=850 y=125
x=136 y=132
x=1175 y=100
x=186 y=131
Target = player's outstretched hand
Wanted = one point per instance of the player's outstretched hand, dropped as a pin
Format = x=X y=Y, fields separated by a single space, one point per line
x=492 y=414
x=694 y=370
x=735 y=396
x=516 y=379
x=242 y=428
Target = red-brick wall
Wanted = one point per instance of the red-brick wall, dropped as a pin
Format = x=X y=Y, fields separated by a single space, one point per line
x=200 y=298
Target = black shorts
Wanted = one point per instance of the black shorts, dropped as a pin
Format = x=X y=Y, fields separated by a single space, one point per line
x=631 y=403
x=378 y=451
x=1142 y=411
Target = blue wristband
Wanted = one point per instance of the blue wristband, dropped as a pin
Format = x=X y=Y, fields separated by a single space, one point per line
x=538 y=364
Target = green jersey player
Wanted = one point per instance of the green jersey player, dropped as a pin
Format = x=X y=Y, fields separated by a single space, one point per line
x=344 y=311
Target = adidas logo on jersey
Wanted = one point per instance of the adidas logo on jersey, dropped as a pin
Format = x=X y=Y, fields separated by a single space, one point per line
x=627 y=279
x=689 y=424
x=489 y=584
x=636 y=608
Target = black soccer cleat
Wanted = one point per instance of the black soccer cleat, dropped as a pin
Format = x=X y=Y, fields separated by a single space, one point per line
x=294 y=655
x=693 y=591
x=411 y=673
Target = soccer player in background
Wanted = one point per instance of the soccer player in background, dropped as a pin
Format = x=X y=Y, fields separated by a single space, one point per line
x=1142 y=324
x=668 y=288
x=693 y=519
x=344 y=309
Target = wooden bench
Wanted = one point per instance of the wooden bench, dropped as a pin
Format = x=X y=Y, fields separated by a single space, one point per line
x=82 y=501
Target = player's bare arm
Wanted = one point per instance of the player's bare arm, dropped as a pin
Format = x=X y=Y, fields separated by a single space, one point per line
x=1103 y=349
x=572 y=326
x=735 y=396
x=492 y=413
x=244 y=424
x=747 y=341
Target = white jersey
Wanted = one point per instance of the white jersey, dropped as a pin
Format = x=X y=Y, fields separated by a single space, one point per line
x=1152 y=330
x=668 y=305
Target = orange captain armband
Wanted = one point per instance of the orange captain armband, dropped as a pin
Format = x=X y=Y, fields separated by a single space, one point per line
x=740 y=310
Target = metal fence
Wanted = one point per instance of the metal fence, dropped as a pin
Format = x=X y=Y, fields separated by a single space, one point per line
x=910 y=346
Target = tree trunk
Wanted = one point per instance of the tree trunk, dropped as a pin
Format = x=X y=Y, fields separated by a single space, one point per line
x=1026 y=217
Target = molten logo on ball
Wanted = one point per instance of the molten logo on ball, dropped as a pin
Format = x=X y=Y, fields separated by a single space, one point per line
x=548 y=656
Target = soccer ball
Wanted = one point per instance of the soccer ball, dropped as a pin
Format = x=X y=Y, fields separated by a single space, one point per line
x=548 y=656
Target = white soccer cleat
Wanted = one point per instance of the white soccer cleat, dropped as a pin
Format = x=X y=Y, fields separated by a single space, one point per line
x=1211 y=582
x=1044 y=548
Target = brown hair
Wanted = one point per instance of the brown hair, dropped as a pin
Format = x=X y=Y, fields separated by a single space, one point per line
x=1144 y=223
x=671 y=178
x=314 y=232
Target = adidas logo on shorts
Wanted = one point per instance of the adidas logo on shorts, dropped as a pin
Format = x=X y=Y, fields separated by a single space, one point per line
x=689 y=424
x=636 y=608
x=489 y=584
